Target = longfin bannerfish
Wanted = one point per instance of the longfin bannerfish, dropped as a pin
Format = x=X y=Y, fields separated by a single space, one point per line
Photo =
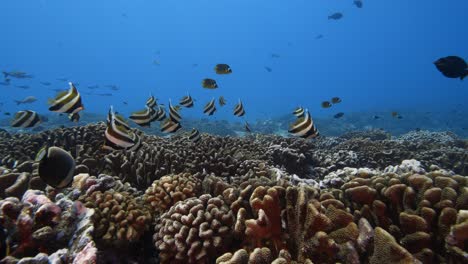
x=299 y=112
x=247 y=127
x=210 y=107
x=74 y=117
x=56 y=166
x=304 y=127
x=239 y=109
x=209 y=83
x=186 y=101
x=25 y=118
x=168 y=126
x=117 y=136
x=222 y=69
x=222 y=101
x=160 y=114
x=173 y=113
x=67 y=102
x=151 y=102
x=194 y=136
x=143 y=118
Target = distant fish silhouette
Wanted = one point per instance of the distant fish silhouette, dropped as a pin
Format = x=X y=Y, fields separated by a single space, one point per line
x=268 y=69
x=335 y=16
x=358 y=3
x=275 y=55
x=319 y=36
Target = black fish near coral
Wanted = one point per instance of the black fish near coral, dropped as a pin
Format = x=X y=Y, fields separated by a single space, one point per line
x=209 y=84
x=222 y=69
x=26 y=118
x=304 y=127
x=326 y=104
x=338 y=115
x=194 y=136
x=336 y=100
x=56 y=166
x=186 y=101
x=452 y=67
x=239 y=109
x=67 y=102
x=169 y=126
x=222 y=101
x=210 y=108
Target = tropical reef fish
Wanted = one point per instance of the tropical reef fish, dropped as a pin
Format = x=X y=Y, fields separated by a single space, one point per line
x=144 y=117
x=247 y=127
x=74 y=117
x=376 y=117
x=339 y=115
x=151 y=102
x=326 y=104
x=194 y=136
x=222 y=101
x=452 y=67
x=268 y=69
x=26 y=100
x=335 y=16
x=358 y=3
x=17 y=75
x=168 y=126
x=239 y=109
x=160 y=114
x=174 y=113
x=118 y=136
x=118 y=119
x=186 y=101
x=299 y=112
x=336 y=100
x=56 y=166
x=210 y=108
x=25 y=118
x=304 y=127
x=209 y=83
x=222 y=69
x=67 y=101
x=7 y=113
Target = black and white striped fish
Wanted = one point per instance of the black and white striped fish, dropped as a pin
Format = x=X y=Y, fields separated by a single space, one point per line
x=26 y=118
x=173 y=113
x=151 y=102
x=118 y=119
x=210 y=107
x=222 y=101
x=159 y=114
x=304 y=127
x=194 y=136
x=67 y=101
x=247 y=127
x=144 y=117
x=186 y=101
x=239 y=109
x=299 y=112
x=169 y=126
x=118 y=137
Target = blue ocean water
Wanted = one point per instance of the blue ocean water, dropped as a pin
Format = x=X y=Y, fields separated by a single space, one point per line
x=377 y=59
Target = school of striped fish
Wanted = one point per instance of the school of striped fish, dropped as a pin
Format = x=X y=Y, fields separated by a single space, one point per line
x=120 y=136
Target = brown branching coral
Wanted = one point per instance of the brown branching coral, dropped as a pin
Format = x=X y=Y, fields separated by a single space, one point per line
x=195 y=230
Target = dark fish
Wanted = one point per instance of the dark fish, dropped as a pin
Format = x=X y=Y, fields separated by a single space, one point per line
x=222 y=101
x=320 y=36
x=115 y=88
x=104 y=94
x=125 y=103
x=168 y=126
x=239 y=109
x=210 y=108
x=118 y=135
x=26 y=100
x=304 y=127
x=74 y=117
x=56 y=166
x=222 y=69
x=394 y=114
x=336 y=100
x=7 y=113
x=92 y=87
x=62 y=79
x=399 y=117
x=209 y=84
x=26 y=118
x=17 y=75
x=452 y=67
x=144 y=117
x=46 y=83
x=247 y=127
x=22 y=86
x=174 y=114
x=44 y=118
x=376 y=117
x=268 y=69
x=358 y=3
x=339 y=115
x=67 y=102
x=160 y=114
x=275 y=55
x=186 y=101
x=299 y=112
x=326 y=104
x=194 y=136
x=336 y=16
x=151 y=102
x=195 y=65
